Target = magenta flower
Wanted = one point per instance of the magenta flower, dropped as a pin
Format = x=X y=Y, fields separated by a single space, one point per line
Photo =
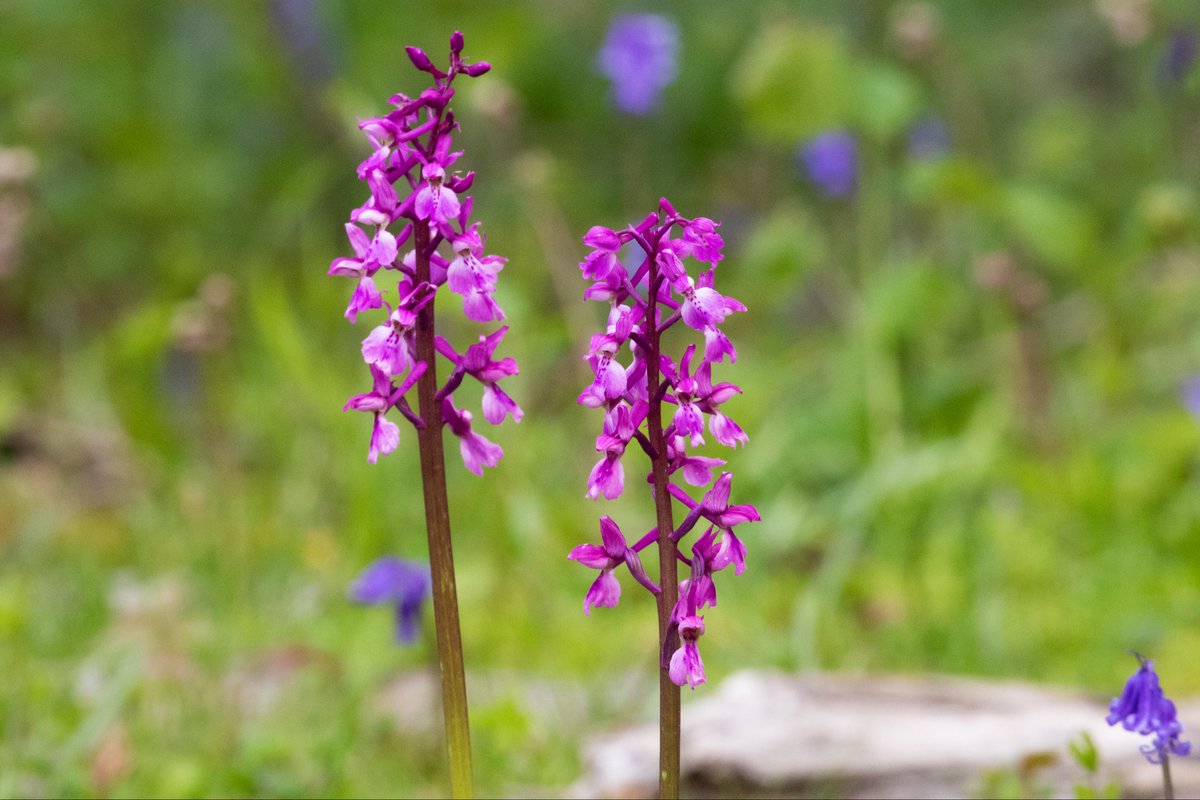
x=477 y=452
x=434 y=201
x=604 y=260
x=686 y=665
x=716 y=505
x=473 y=275
x=370 y=256
x=478 y=363
x=403 y=584
x=611 y=379
x=385 y=435
x=701 y=240
x=388 y=346
x=605 y=590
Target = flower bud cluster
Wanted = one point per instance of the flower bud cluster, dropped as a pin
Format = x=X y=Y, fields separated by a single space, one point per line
x=412 y=189
x=645 y=299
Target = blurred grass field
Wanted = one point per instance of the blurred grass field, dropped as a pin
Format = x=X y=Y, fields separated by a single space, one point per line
x=962 y=385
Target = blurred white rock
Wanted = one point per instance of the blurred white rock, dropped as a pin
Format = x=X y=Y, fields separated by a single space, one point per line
x=771 y=734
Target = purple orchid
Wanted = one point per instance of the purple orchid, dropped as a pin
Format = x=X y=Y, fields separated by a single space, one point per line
x=403 y=584
x=414 y=190
x=385 y=435
x=639 y=56
x=477 y=452
x=662 y=404
x=411 y=186
x=605 y=590
x=1143 y=708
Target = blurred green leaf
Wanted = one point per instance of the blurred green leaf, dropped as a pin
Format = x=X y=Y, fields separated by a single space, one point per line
x=794 y=80
x=1084 y=752
x=1056 y=229
x=886 y=100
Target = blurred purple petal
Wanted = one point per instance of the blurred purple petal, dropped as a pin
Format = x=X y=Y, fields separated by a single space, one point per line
x=639 y=57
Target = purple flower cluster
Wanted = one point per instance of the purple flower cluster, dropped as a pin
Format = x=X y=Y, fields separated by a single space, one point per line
x=644 y=301
x=1143 y=708
x=412 y=148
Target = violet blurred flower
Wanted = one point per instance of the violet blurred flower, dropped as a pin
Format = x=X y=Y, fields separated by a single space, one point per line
x=404 y=584
x=928 y=139
x=1189 y=394
x=830 y=161
x=1179 y=55
x=1143 y=708
x=639 y=57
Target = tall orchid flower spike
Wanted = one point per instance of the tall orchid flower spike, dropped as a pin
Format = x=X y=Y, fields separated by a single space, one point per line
x=417 y=220
x=631 y=380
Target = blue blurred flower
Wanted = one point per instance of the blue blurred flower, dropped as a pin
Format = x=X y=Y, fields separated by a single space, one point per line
x=1179 y=55
x=1189 y=394
x=928 y=138
x=1143 y=708
x=639 y=57
x=830 y=160
x=404 y=584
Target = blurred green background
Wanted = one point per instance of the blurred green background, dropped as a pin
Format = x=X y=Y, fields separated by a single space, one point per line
x=962 y=382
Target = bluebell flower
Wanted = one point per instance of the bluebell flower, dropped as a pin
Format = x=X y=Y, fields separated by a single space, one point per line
x=1143 y=708
x=830 y=160
x=639 y=57
x=404 y=584
x=1189 y=394
x=1179 y=55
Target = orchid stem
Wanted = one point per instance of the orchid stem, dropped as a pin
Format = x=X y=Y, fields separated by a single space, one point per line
x=441 y=554
x=1168 y=787
x=668 y=692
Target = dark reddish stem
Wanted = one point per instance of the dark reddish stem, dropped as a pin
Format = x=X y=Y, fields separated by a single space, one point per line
x=668 y=692
x=441 y=553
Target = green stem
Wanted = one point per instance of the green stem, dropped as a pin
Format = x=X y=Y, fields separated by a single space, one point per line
x=668 y=692
x=1168 y=787
x=441 y=554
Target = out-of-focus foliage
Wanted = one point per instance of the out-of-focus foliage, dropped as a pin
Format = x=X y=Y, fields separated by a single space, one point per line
x=961 y=383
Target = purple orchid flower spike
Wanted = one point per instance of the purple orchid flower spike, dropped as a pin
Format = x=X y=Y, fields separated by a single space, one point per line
x=417 y=220
x=660 y=402
x=403 y=584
